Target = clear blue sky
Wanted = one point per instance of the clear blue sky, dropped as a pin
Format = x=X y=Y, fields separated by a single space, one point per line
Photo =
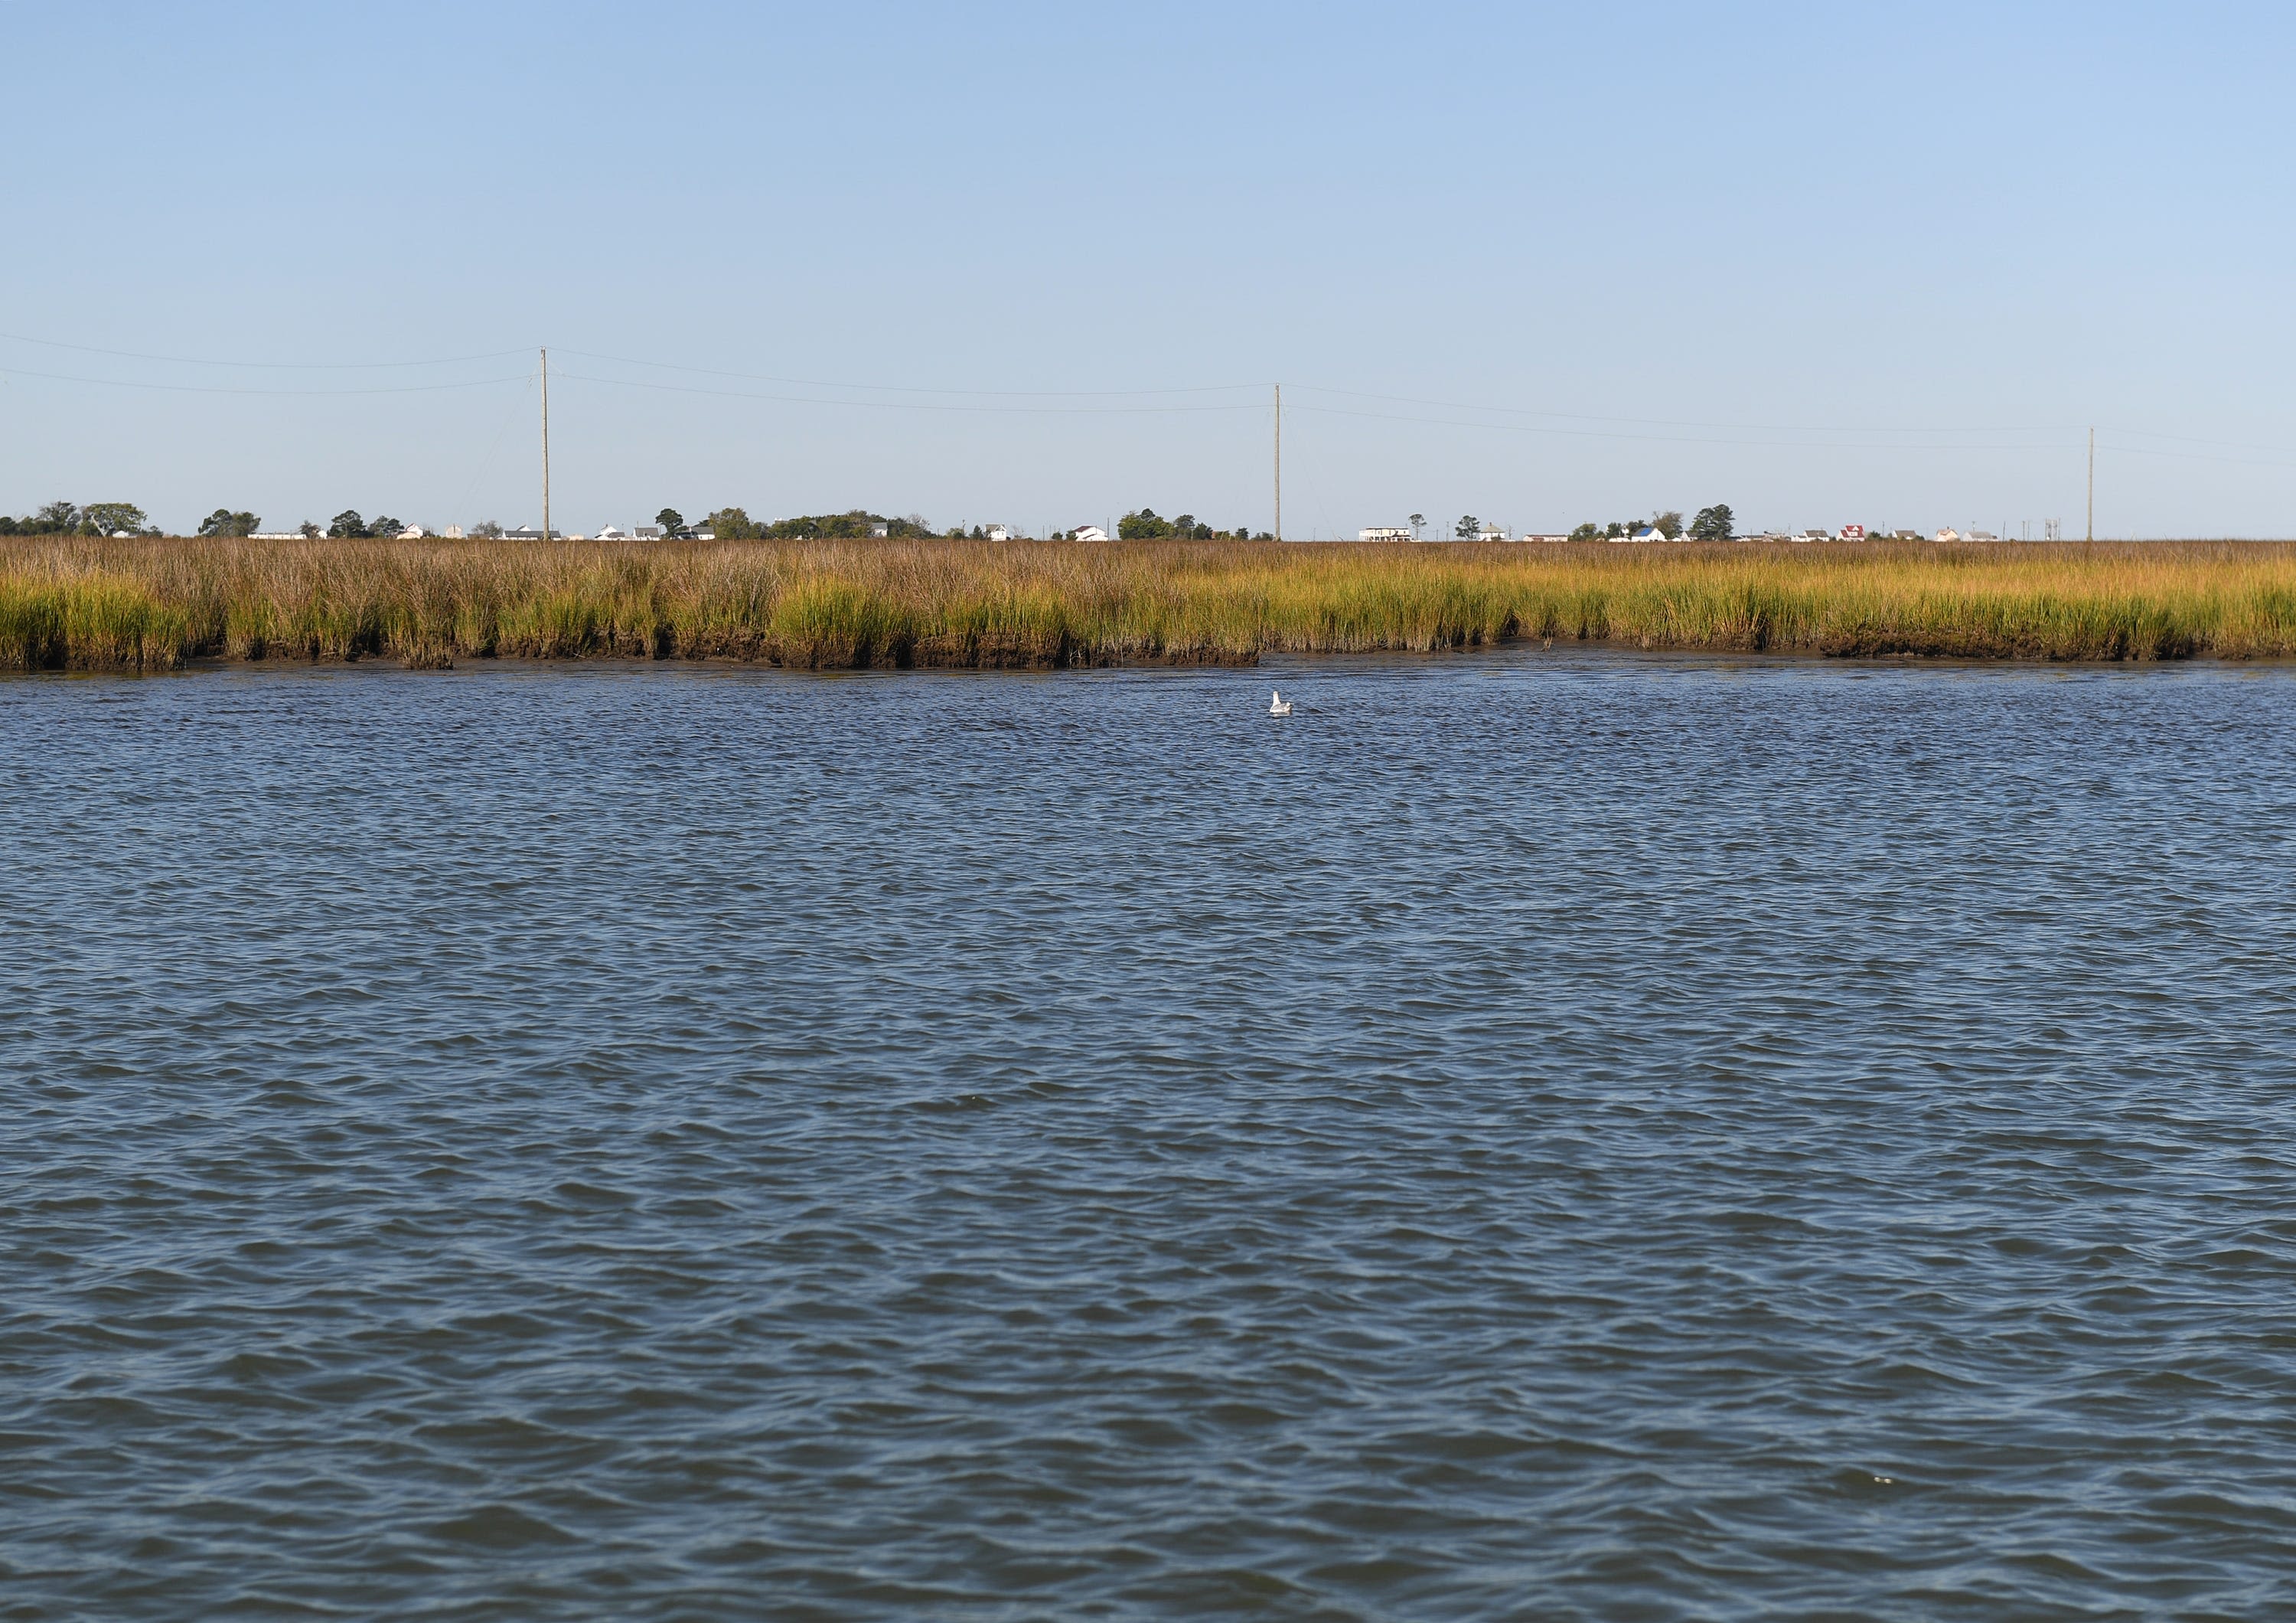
x=1825 y=263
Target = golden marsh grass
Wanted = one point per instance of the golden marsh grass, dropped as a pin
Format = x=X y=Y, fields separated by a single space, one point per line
x=153 y=604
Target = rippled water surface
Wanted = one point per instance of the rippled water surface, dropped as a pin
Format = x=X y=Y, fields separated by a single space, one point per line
x=1524 y=1136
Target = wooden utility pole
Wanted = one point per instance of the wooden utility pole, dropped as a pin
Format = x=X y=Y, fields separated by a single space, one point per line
x=1279 y=462
x=545 y=444
x=2092 y=484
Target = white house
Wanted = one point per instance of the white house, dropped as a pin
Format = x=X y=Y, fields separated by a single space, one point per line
x=1946 y=534
x=1383 y=532
x=1545 y=538
x=1648 y=533
x=609 y=533
x=1493 y=532
x=881 y=531
x=412 y=533
x=452 y=533
x=1089 y=532
x=1851 y=532
x=998 y=532
x=647 y=533
x=524 y=532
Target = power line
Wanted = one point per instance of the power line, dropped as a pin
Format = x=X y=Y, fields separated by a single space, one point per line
x=1590 y=433
x=121 y=383
x=800 y=399
x=1578 y=417
x=267 y=366
x=815 y=383
x=1912 y=437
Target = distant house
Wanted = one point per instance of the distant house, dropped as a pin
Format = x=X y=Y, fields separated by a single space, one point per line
x=1852 y=532
x=998 y=532
x=1528 y=537
x=1946 y=534
x=452 y=533
x=1981 y=535
x=648 y=532
x=524 y=532
x=1089 y=532
x=609 y=533
x=881 y=530
x=1814 y=535
x=412 y=533
x=1384 y=533
x=1648 y=533
x=1493 y=532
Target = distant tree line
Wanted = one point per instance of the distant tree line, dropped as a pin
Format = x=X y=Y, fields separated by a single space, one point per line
x=223 y=521
x=1715 y=524
x=70 y=518
x=1145 y=526
x=735 y=524
x=348 y=525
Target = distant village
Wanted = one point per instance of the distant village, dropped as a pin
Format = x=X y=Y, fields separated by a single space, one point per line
x=1715 y=524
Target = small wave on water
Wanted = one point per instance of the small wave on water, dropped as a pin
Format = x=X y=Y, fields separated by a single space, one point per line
x=1559 y=1136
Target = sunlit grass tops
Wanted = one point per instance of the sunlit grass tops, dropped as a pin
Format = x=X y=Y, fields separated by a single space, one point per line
x=147 y=604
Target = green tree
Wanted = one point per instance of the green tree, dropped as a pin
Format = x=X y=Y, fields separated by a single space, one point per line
x=1468 y=527
x=1612 y=530
x=385 y=526
x=730 y=525
x=672 y=522
x=58 y=516
x=223 y=521
x=1417 y=519
x=348 y=525
x=310 y=531
x=110 y=517
x=1143 y=526
x=1587 y=532
x=1667 y=525
x=1714 y=523
x=486 y=530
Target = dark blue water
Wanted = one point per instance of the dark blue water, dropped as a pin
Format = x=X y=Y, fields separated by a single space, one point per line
x=1529 y=1137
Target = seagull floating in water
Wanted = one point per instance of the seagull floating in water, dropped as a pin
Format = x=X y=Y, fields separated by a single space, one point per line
x=1277 y=704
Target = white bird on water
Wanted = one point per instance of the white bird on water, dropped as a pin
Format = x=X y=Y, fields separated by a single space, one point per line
x=1277 y=704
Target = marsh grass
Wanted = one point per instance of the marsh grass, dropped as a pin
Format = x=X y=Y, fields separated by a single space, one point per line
x=155 y=604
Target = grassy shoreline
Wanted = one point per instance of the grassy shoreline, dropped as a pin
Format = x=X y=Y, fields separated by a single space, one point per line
x=158 y=604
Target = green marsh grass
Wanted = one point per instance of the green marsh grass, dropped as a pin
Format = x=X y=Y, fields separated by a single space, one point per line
x=154 y=603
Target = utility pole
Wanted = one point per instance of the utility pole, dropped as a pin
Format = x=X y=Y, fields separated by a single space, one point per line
x=2092 y=484
x=1279 y=462
x=545 y=444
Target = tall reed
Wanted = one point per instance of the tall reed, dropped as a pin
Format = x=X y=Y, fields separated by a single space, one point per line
x=151 y=604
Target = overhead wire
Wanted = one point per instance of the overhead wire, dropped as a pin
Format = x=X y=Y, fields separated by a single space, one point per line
x=269 y=366
x=501 y=431
x=1578 y=417
x=815 y=383
x=1592 y=433
x=960 y=401
x=121 y=383
x=794 y=399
